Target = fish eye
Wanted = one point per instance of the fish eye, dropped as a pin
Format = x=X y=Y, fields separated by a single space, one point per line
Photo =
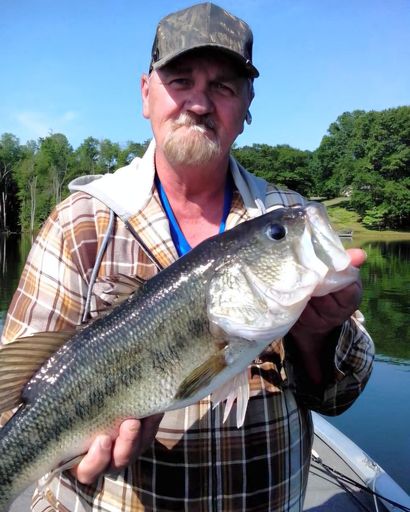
x=276 y=231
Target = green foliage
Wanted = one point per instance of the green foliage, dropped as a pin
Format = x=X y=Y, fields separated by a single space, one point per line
x=25 y=174
x=56 y=156
x=366 y=156
x=10 y=154
x=41 y=170
x=375 y=217
x=131 y=151
x=108 y=156
x=282 y=165
x=86 y=158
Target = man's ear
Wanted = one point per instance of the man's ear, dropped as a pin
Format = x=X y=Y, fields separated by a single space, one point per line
x=145 y=95
x=251 y=91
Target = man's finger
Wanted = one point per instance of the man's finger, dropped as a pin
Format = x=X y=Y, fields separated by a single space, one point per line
x=127 y=444
x=134 y=437
x=357 y=257
x=95 y=461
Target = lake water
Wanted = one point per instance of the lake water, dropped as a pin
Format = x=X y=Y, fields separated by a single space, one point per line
x=379 y=421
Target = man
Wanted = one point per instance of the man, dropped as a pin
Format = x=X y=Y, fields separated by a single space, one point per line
x=186 y=188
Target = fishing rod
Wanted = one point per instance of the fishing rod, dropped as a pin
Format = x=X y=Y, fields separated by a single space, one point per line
x=344 y=478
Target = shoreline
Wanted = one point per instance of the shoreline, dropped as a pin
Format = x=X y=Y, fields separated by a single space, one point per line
x=347 y=220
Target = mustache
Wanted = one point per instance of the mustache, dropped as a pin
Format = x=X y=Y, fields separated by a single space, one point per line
x=195 y=121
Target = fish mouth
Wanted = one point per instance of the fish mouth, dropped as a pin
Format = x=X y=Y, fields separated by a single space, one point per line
x=327 y=245
x=320 y=248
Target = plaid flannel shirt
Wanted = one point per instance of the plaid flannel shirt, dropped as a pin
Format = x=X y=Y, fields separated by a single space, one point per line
x=196 y=462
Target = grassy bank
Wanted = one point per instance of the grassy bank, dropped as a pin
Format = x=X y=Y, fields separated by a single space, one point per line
x=343 y=219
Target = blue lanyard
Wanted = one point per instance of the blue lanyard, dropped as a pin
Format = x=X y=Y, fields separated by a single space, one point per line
x=180 y=242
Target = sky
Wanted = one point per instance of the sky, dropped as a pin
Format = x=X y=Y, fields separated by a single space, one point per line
x=74 y=66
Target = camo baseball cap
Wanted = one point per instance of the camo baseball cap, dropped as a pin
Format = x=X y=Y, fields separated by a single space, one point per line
x=203 y=26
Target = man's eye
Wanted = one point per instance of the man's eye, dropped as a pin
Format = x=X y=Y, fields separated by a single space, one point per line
x=180 y=82
x=223 y=88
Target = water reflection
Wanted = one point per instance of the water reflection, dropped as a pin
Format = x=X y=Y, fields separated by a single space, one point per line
x=13 y=253
x=386 y=305
x=3 y=252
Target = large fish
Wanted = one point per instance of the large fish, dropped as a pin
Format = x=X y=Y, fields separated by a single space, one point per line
x=190 y=331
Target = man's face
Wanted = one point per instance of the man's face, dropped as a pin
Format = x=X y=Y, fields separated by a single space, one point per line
x=196 y=105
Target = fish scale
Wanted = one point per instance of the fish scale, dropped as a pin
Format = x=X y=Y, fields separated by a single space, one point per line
x=184 y=334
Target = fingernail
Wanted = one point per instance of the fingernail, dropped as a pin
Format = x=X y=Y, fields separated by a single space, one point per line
x=105 y=442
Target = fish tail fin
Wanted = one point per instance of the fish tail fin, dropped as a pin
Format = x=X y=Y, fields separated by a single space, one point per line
x=20 y=360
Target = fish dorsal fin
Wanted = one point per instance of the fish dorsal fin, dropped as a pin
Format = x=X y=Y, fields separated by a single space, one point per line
x=114 y=290
x=20 y=360
x=235 y=389
x=118 y=288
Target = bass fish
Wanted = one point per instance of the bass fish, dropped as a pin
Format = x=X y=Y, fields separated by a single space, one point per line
x=190 y=331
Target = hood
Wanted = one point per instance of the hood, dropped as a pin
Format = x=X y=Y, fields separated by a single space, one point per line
x=127 y=190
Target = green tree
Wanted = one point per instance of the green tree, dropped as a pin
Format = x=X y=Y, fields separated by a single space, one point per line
x=56 y=155
x=108 y=156
x=335 y=161
x=393 y=210
x=27 y=179
x=366 y=156
x=282 y=165
x=53 y=163
x=86 y=157
x=10 y=154
x=131 y=151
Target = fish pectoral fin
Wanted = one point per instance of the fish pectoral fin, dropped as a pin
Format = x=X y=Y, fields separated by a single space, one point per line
x=235 y=389
x=20 y=360
x=201 y=376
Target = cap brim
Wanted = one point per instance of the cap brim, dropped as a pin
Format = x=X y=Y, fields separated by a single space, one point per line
x=249 y=68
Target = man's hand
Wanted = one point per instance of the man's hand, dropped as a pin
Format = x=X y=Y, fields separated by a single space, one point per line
x=134 y=436
x=310 y=336
x=323 y=314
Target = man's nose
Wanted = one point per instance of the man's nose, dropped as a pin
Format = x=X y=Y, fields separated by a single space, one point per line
x=200 y=102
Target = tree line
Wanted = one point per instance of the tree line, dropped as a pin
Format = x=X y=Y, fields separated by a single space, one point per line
x=364 y=156
x=34 y=176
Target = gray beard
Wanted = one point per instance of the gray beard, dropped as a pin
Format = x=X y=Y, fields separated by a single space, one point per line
x=191 y=147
